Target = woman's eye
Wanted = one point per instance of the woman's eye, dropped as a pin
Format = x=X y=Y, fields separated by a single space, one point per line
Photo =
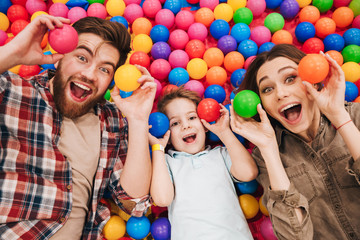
x=267 y=90
x=290 y=79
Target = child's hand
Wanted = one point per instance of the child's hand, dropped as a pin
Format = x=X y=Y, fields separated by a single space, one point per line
x=221 y=124
x=162 y=141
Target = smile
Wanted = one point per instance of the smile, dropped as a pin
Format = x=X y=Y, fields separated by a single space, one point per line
x=189 y=138
x=79 y=91
x=291 y=112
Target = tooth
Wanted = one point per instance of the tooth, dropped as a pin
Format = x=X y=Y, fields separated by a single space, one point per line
x=82 y=86
x=288 y=106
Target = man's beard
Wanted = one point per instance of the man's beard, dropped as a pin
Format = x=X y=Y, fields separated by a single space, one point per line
x=65 y=106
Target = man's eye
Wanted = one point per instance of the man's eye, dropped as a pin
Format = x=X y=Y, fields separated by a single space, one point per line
x=82 y=58
x=104 y=70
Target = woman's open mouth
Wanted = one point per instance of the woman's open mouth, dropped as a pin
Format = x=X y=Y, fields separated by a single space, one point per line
x=291 y=112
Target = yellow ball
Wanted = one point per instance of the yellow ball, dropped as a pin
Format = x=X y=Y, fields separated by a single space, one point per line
x=351 y=71
x=249 y=205
x=60 y=1
x=115 y=228
x=142 y=42
x=197 y=68
x=223 y=11
x=38 y=13
x=303 y=3
x=126 y=77
x=263 y=209
x=115 y=7
x=4 y=22
x=236 y=4
x=15 y=69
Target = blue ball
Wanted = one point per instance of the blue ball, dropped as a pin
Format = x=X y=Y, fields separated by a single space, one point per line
x=178 y=76
x=121 y=20
x=159 y=124
x=161 y=229
x=237 y=77
x=124 y=94
x=247 y=187
x=219 y=28
x=333 y=42
x=289 y=9
x=216 y=92
x=240 y=31
x=304 y=31
x=48 y=66
x=232 y=95
x=213 y=137
x=138 y=227
x=265 y=47
x=352 y=36
x=4 y=6
x=248 y=48
x=272 y=4
x=159 y=33
x=173 y=5
x=351 y=91
x=160 y=50
x=227 y=44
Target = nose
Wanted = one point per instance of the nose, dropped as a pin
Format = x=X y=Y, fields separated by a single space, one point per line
x=89 y=73
x=282 y=92
x=185 y=124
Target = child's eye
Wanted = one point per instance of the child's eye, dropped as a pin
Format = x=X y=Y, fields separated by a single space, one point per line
x=174 y=124
x=192 y=117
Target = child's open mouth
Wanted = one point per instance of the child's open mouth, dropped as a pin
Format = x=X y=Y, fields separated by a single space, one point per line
x=189 y=138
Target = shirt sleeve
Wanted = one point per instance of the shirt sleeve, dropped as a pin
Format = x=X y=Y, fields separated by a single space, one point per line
x=281 y=206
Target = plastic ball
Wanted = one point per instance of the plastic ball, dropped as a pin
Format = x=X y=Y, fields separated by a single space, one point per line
x=142 y=26
x=115 y=7
x=138 y=227
x=197 y=31
x=223 y=11
x=304 y=31
x=63 y=40
x=266 y=229
x=38 y=13
x=120 y=19
x=247 y=187
x=151 y=8
x=313 y=68
x=4 y=22
x=245 y=103
x=18 y=26
x=248 y=61
x=159 y=124
x=173 y=5
x=325 y=26
x=195 y=48
x=59 y=10
x=236 y=4
x=240 y=31
x=23 y=2
x=161 y=229
x=289 y=9
x=115 y=228
x=196 y=86
x=126 y=77
x=47 y=66
x=237 y=77
x=178 y=76
x=248 y=48
x=160 y=50
x=76 y=13
x=357 y=99
x=260 y=35
x=160 y=69
x=213 y=57
x=3 y=37
x=334 y=42
x=266 y=47
x=263 y=209
x=351 y=53
x=97 y=10
x=233 y=60
x=209 y=4
x=96 y=1
x=351 y=91
x=159 y=33
x=341 y=3
x=178 y=58
x=303 y=3
x=313 y=45
x=28 y=70
x=205 y=16
x=274 y=22
x=351 y=71
x=272 y=4
x=208 y=109
x=212 y=136
x=184 y=19
x=142 y=42
x=243 y=15
x=140 y=58
x=127 y=2
x=354 y=5
x=16 y=12
x=323 y=5
x=343 y=17
x=178 y=39
x=158 y=88
x=33 y=6
x=356 y=22
x=282 y=36
x=336 y=56
x=257 y=7
x=168 y=89
x=249 y=205
x=132 y=12
x=165 y=17
x=352 y=36
x=197 y=68
x=219 y=28
x=216 y=75
x=309 y=14
x=227 y=44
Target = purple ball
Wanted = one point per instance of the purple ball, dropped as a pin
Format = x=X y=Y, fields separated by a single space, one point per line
x=227 y=44
x=160 y=50
x=289 y=8
x=161 y=229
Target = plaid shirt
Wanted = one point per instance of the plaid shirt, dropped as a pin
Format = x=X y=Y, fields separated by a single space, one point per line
x=35 y=178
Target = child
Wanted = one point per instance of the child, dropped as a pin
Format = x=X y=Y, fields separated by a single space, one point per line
x=195 y=181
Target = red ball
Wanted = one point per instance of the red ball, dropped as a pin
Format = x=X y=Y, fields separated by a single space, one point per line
x=63 y=40
x=208 y=109
x=18 y=26
x=19 y=2
x=28 y=70
x=140 y=58
x=168 y=89
x=16 y=12
x=193 y=1
x=160 y=69
x=195 y=48
x=313 y=45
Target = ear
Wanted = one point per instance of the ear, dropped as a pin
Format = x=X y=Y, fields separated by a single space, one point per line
x=56 y=64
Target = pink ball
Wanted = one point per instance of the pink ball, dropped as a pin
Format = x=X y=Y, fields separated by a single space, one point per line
x=76 y=13
x=341 y=3
x=257 y=7
x=178 y=58
x=59 y=10
x=35 y=5
x=128 y=2
x=178 y=39
x=196 y=86
x=132 y=12
x=209 y=4
x=197 y=31
x=165 y=17
x=3 y=37
x=248 y=61
x=63 y=40
x=356 y=22
x=97 y=10
x=184 y=19
x=266 y=229
x=158 y=88
x=260 y=35
x=151 y=7
x=160 y=69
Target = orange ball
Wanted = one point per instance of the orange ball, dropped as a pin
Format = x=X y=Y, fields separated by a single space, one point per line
x=168 y=89
x=44 y=41
x=343 y=17
x=216 y=75
x=336 y=56
x=313 y=68
x=309 y=14
x=141 y=25
x=357 y=99
x=233 y=60
x=249 y=205
x=213 y=57
x=325 y=26
x=263 y=209
x=205 y=16
x=282 y=36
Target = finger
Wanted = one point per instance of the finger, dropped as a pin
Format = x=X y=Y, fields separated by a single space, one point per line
x=310 y=88
x=262 y=114
x=149 y=85
x=115 y=94
x=167 y=136
x=205 y=123
x=52 y=58
x=142 y=69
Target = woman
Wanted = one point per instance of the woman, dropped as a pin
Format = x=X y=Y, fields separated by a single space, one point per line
x=308 y=153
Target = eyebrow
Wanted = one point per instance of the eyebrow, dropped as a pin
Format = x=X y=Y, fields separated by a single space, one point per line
x=279 y=71
x=92 y=54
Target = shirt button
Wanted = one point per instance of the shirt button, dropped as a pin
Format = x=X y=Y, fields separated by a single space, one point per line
x=62 y=219
x=68 y=187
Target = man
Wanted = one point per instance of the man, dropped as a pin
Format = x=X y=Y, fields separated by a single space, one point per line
x=61 y=145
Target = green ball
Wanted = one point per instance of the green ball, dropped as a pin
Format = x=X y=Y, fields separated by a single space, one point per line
x=323 y=5
x=351 y=53
x=243 y=15
x=355 y=7
x=96 y=1
x=245 y=103
x=107 y=95
x=274 y=22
